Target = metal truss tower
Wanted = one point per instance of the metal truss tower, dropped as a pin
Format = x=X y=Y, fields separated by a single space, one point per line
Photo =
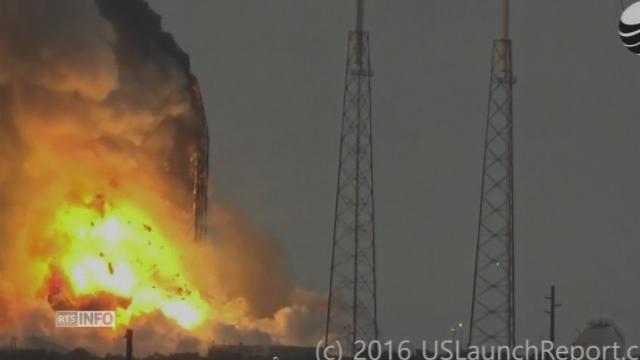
x=351 y=310
x=200 y=165
x=493 y=305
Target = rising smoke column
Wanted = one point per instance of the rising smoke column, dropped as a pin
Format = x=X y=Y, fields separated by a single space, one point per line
x=96 y=99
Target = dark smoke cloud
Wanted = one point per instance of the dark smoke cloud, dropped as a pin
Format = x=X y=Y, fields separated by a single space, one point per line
x=149 y=59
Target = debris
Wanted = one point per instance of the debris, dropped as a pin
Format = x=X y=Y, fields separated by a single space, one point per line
x=98 y=203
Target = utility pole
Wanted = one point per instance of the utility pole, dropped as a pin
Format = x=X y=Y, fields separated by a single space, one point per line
x=552 y=313
x=129 y=344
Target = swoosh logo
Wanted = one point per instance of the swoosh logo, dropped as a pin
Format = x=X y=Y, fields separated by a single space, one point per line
x=631 y=39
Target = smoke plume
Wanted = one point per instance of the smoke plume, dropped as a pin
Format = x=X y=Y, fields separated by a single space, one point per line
x=99 y=116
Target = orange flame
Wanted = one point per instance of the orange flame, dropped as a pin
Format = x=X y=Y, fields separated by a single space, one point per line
x=119 y=252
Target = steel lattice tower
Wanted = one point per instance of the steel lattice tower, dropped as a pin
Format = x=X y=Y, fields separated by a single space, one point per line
x=351 y=311
x=493 y=306
x=200 y=165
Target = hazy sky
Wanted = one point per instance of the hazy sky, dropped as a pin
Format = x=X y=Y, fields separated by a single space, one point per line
x=272 y=76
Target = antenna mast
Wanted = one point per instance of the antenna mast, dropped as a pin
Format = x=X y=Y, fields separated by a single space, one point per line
x=505 y=20
x=493 y=301
x=360 y=15
x=359 y=26
x=352 y=305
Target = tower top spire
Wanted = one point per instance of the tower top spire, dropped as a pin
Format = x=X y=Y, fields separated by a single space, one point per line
x=360 y=15
x=504 y=34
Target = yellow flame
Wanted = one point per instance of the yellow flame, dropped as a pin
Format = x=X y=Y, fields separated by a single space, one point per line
x=119 y=250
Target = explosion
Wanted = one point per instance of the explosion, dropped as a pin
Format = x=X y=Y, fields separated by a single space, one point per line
x=100 y=129
x=112 y=248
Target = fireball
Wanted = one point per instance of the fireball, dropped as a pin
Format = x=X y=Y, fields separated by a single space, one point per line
x=115 y=257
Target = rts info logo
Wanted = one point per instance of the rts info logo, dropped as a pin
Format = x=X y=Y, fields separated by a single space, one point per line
x=86 y=319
